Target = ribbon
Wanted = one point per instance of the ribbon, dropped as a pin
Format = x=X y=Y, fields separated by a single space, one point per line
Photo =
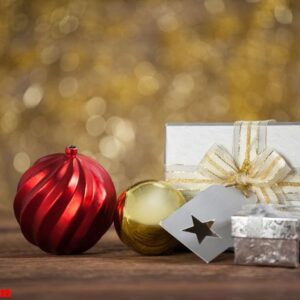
x=251 y=168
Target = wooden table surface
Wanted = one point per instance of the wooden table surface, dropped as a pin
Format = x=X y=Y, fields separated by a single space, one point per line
x=111 y=271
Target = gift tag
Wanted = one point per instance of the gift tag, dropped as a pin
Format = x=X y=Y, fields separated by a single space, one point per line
x=204 y=223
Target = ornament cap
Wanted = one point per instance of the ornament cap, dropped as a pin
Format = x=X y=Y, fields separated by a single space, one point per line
x=71 y=150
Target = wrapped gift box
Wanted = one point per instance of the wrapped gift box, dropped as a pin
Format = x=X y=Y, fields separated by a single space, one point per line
x=266 y=235
x=186 y=145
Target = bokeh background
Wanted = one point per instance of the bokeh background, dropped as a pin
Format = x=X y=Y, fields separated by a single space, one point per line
x=107 y=75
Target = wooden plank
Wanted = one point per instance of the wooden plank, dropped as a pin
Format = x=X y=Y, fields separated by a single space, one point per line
x=111 y=270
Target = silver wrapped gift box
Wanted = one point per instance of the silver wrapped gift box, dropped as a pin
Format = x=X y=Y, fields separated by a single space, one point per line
x=266 y=235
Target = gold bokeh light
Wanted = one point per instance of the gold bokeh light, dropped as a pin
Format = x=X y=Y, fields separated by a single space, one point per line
x=107 y=75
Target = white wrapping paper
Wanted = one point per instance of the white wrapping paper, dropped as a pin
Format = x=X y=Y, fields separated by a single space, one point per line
x=186 y=144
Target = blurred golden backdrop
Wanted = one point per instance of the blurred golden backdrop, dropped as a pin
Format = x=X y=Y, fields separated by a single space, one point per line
x=107 y=75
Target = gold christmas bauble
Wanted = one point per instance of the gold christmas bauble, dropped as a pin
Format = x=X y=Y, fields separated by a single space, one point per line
x=139 y=212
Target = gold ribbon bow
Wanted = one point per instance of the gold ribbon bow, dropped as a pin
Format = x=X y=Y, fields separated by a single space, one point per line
x=252 y=167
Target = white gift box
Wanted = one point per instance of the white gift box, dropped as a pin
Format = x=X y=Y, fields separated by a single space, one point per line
x=187 y=143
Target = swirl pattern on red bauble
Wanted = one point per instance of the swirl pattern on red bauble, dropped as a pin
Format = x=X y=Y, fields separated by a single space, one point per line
x=65 y=202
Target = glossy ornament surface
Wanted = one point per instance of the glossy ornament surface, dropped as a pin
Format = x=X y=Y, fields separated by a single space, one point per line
x=65 y=202
x=139 y=212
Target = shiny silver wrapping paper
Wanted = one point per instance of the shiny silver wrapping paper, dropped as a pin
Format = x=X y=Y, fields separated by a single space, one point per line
x=266 y=235
x=273 y=252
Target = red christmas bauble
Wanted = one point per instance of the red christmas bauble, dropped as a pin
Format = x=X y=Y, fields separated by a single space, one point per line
x=65 y=202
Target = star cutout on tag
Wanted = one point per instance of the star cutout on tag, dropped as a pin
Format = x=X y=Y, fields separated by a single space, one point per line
x=202 y=230
x=203 y=224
